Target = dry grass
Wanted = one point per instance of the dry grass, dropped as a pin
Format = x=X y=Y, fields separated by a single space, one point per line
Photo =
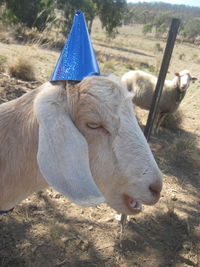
x=6 y=35
x=22 y=69
x=45 y=39
x=173 y=121
x=6 y=38
x=50 y=236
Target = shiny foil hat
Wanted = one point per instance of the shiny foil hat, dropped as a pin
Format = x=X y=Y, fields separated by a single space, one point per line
x=77 y=59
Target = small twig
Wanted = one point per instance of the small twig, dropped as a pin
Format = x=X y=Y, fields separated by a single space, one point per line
x=106 y=246
x=62 y=262
x=3 y=99
x=5 y=74
x=18 y=80
x=123 y=222
x=32 y=82
x=75 y=263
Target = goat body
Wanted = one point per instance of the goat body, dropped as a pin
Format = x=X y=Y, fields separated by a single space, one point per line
x=143 y=85
x=75 y=138
x=20 y=175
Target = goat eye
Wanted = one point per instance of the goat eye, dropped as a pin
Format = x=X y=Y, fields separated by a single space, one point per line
x=93 y=125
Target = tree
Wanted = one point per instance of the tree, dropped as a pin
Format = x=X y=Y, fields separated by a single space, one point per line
x=130 y=17
x=111 y=13
x=147 y=28
x=162 y=22
x=36 y=13
x=31 y=13
x=69 y=8
x=191 y=29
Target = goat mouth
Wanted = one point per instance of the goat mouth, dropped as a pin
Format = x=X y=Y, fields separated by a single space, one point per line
x=133 y=204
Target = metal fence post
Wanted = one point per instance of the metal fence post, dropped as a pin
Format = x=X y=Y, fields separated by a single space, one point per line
x=162 y=75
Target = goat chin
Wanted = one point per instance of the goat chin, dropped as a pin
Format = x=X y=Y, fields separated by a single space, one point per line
x=82 y=139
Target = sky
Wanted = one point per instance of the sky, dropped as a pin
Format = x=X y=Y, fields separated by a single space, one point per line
x=177 y=2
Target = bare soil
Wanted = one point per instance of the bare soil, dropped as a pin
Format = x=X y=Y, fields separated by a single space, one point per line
x=47 y=230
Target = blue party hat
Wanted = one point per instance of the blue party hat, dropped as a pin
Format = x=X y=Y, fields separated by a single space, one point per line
x=77 y=59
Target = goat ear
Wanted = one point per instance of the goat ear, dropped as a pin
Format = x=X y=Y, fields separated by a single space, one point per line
x=63 y=155
x=177 y=74
x=194 y=79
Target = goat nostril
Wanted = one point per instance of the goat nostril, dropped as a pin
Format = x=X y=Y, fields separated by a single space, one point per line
x=155 y=189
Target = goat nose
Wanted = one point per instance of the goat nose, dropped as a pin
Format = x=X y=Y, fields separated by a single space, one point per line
x=155 y=188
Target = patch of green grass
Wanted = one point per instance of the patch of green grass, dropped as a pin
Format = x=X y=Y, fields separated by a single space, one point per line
x=108 y=67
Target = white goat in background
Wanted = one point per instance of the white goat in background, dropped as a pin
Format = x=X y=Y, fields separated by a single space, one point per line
x=143 y=85
x=66 y=135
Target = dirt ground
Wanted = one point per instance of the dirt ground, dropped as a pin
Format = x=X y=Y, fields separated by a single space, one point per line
x=46 y=230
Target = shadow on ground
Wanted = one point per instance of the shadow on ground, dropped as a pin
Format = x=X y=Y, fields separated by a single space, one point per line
x=43 y=234
x=59 y=242
x=46 y=230
x=131 y=51
x=164 y=239
x=178 y=155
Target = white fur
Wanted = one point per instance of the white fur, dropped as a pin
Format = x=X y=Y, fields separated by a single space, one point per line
x=143 y=85
x=46 y=138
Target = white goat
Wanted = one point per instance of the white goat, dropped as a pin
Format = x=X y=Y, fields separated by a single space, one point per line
x=143 y=85
x=66 y=135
